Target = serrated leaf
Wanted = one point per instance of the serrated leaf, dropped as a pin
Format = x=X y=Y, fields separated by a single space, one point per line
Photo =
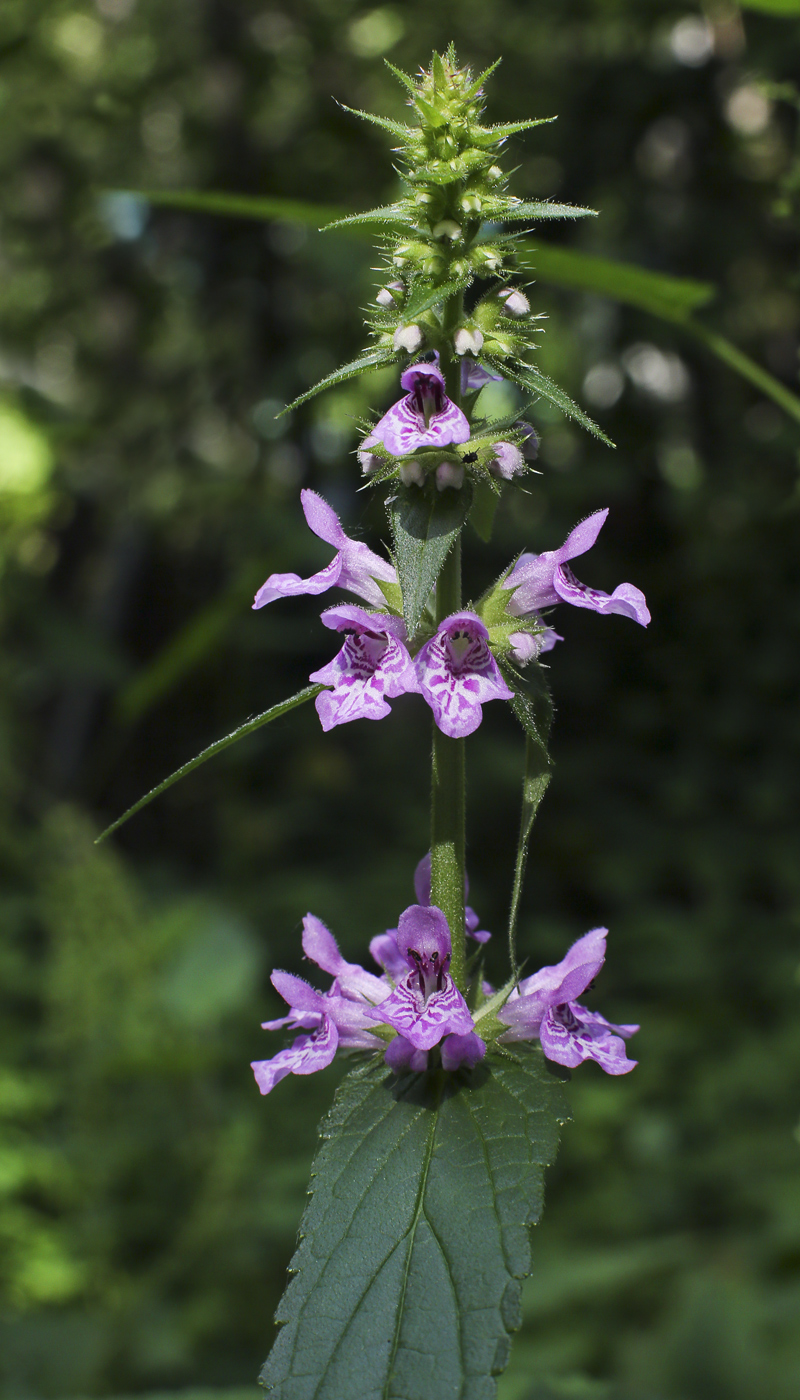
x=415 y=1241
x=249 y=727
x=364 y=362
x=440 y=79
x=537 y=383
x=490 y=135
x=425 y=524
x=546 y=209
x=388 y=214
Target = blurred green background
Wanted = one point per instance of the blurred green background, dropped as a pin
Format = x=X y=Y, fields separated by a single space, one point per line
x=149 y=1197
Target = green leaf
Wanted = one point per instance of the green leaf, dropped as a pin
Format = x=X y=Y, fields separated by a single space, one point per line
x=369 y=361
x=402 y=77
x=440 y=79
x=389 y=214
x=425 y=524
x=491 y=135
x=396 y=128
x=475 y=87
x=425 y=296
x=670 y=297
x=545 y=209
x=415 y=1241
x=537 y=383
x=242 y=206
x=773 y=7
x=430 y=114
x=249 y=727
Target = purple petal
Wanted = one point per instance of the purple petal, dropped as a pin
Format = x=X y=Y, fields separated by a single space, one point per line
x=292 y=585
x=401 y=1055
x=425 y=1023
x=322 y=519
x=472 y=924
x=305 y=1056
x=355 y=567
x=562 y=982
x=321 y=947
x=297 y=992
x=402 y=429
x=626 y=599
x=422 y=370
x=457 y=674
x=372 y=664
x=462 y=1050
x=387 y=955
x=582 y=1040
x=424 y=929
x=355 y=1020
x=532 y=576
x=422 y=880
x=474 y=376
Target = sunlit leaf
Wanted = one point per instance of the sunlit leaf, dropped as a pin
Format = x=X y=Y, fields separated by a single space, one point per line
x=541 y=385
x=670 y=297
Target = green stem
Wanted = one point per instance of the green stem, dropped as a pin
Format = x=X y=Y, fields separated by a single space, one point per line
x=448 y=797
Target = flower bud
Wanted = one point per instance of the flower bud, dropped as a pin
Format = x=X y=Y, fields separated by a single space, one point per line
x=471 y=203
x=408 y=338
x=530 y=447
x=385 y=296
x=449 y=474
x=508 y=461
x=468 y=342
x=494 y=173
x=411 y=474
x=447 y=228
x=516 y=302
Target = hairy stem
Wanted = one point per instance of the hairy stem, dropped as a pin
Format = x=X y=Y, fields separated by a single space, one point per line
x=448 y=796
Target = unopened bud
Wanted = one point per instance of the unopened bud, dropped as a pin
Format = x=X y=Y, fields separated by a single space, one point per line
x=408 y=338
x=449 y=474
x=508 y=461
x=471 y=204
x=385 y=297
x=530 y=447
x=515 y=302
x=494 y=172
x=411 y=474
x=447 y=228
x=468 y=342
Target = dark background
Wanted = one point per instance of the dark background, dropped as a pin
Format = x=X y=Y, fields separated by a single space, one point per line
x=149 y=1197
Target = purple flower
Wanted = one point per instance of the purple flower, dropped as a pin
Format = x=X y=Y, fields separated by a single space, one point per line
x=354 y=567
x=546 y=1006
x=457 y=674
x=422 y=889
x=384 y=947
x=540 y=580
x=474 y=376
x=426 y=1005
x=424 y=418
x=372 y=664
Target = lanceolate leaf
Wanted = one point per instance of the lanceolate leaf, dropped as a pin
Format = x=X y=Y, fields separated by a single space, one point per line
x=425 y=524
x=388 y=214
x=244 y=206
x=371 y=360
x=249 y=727
x=544 y=209
x=537 y=383
x=415 y=1241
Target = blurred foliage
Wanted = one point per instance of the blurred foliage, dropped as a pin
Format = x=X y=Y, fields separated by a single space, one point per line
x=148 y=1196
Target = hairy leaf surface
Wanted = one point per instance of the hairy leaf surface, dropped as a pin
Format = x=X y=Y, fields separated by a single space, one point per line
x=415 y=1241
x=425 y=525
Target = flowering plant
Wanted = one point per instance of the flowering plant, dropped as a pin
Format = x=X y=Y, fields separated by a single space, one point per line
x=414 y=1243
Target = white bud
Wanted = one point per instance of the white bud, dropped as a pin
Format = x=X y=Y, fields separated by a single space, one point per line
x=449 y=474
x=471 y=204
x=408 y=338
x=447 y=228
x=516 y=302
x=468 y=342
x=411 y=474
x=385 y=297
x=494 y=172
